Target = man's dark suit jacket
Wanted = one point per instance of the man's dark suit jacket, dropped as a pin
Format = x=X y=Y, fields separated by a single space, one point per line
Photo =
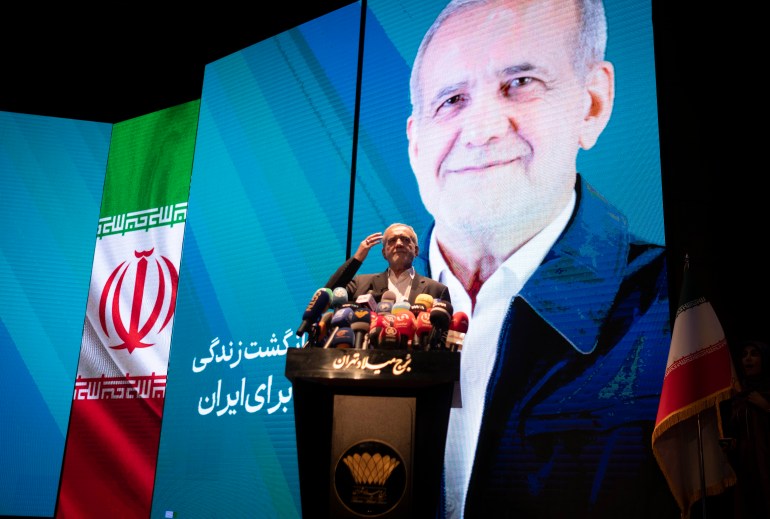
x=345 y=276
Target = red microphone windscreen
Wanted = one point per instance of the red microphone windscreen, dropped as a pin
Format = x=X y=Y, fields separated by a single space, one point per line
x=459 y=322
x=388 y=319
x=375 y=320
x=457 y=329
x=405 y=324
x=375 y=327
x=422 y=330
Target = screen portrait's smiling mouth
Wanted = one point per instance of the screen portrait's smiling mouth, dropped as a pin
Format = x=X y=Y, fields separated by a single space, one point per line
x=475 y=168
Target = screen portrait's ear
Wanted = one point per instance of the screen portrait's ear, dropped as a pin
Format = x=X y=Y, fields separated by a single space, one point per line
x=599 y=99
x=411 y=135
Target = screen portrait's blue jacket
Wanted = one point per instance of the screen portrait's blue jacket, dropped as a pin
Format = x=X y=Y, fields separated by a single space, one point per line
x=573 y=395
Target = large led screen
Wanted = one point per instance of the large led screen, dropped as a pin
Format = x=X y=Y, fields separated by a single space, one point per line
x=525 y=154
x=51 y=178
x=267 y=223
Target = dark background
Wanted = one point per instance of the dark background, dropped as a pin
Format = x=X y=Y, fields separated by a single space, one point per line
x=110 y=64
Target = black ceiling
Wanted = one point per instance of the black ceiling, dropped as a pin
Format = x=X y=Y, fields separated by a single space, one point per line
x=113 y=64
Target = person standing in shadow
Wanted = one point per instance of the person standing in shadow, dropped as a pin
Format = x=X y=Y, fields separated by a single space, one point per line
x=747 y=423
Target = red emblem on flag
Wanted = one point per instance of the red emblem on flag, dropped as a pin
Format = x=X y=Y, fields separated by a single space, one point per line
x=155 y=288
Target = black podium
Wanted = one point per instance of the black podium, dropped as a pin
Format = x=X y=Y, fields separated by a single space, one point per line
x=371 y=427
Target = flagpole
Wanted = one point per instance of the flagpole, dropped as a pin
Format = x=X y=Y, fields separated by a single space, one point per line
x=701 y=462
x=702 y=469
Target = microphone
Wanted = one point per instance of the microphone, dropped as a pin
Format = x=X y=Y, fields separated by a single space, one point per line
x=457 y=330
x=417 y=308
x=404 y=323
x=367 y=301
x=388 y=319
x=401 y=307
x=343 y=338
x=341 y=319
x=339 y=297
x=440 y=317
x=360 y=325
x=315 y=308
x=424 y=299
x=389 y=338
x=322 y=328
x=375 y=327
x=384 y=308
x=388 y=296
x=422 y=329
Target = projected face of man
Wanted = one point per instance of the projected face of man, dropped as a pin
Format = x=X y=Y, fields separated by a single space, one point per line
x=500 y=114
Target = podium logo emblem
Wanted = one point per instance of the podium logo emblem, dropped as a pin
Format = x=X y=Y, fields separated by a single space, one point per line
x=370 y=478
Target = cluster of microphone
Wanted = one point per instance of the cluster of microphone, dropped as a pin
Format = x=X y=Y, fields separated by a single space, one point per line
x=331 y=321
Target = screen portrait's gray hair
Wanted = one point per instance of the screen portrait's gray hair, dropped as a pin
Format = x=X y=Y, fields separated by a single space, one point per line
x=589 y=48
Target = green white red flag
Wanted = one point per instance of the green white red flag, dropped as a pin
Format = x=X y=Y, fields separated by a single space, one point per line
x=114 y=429
x=699 y=375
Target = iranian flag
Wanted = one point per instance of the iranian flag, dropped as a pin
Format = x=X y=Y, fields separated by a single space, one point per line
x=119 y=391
x=699 y=376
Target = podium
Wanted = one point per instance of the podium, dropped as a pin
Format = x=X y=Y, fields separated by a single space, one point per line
x=371 y=427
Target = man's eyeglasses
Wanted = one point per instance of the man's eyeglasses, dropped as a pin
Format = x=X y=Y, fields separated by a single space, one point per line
x=406 y=240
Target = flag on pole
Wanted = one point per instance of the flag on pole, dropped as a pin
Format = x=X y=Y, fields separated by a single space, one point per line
x=699 y=376
x=114 y=429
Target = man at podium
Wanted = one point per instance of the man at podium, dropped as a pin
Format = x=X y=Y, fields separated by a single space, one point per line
x=399 y=249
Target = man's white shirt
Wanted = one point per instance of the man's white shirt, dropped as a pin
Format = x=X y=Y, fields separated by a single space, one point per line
x=401 y=285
